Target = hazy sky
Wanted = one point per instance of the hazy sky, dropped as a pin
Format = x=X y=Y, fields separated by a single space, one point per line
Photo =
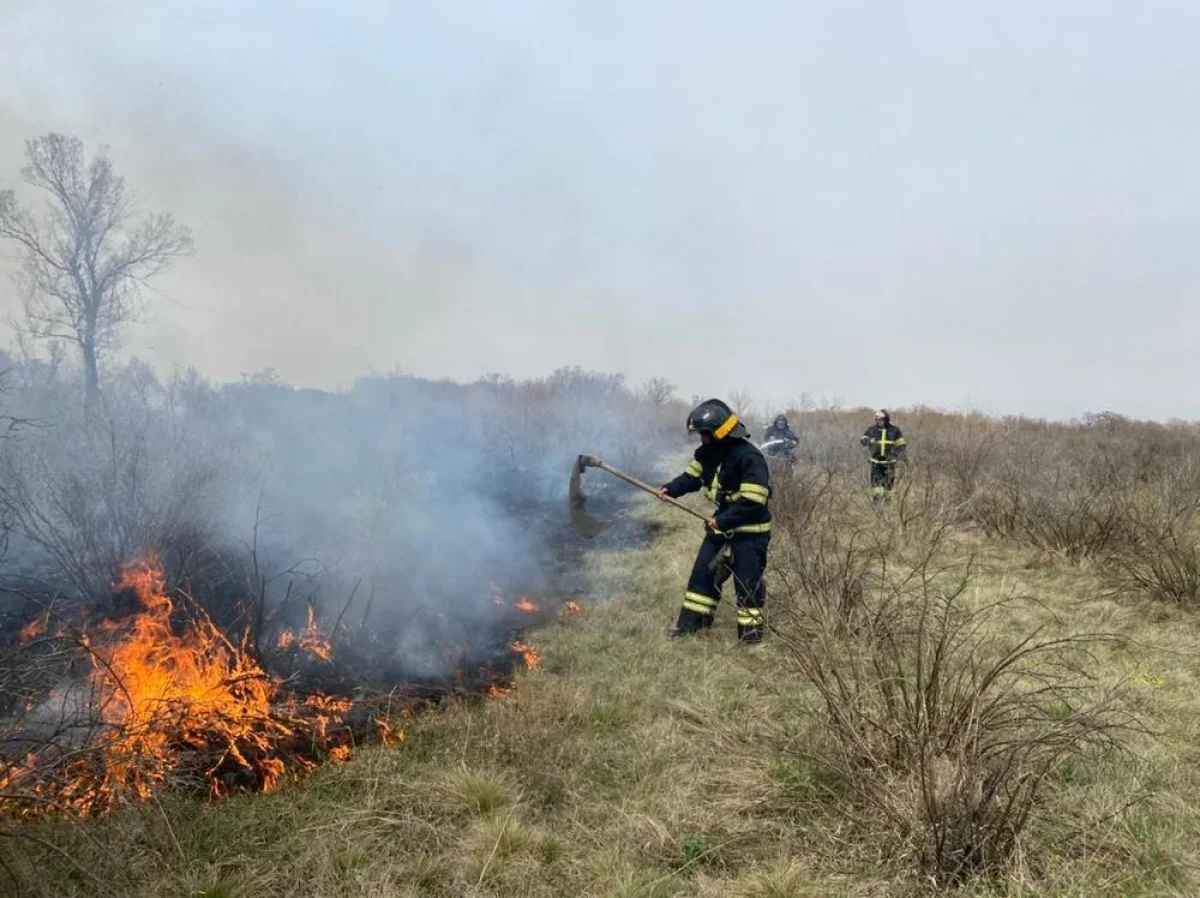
x=989 y=204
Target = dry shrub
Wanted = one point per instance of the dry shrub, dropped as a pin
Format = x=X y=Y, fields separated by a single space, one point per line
x=1161 y=561
x=1076 y=491
x=1078 y=520
x=87 y=491
x=822 y=550
x=961 y=449
x=920 y=506
x=938 y=730
x=1161 y=558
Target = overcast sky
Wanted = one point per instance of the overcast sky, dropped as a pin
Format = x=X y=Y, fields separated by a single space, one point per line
x=961 y=204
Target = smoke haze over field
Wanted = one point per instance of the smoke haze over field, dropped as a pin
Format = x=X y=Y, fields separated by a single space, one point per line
x=260 y=499
x=933 y=202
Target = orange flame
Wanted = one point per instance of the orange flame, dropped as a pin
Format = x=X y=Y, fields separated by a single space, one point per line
x=571 y=607
x=186 y=704
x=389 y=734
x=33 y=629
x=157 y=687
x=532 y=657
x=168 y=703
x=313 y=642
x=310 y=640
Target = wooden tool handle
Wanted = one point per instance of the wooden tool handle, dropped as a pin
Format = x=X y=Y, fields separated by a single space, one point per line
x=589 y=461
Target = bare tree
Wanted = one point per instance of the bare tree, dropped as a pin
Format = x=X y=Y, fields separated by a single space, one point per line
x=743 y=403
x=84 y=259
x=657 y=391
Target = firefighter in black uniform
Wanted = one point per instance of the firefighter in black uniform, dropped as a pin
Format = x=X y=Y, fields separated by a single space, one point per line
x=780 y=430
x=733 y=474
x=885 y=446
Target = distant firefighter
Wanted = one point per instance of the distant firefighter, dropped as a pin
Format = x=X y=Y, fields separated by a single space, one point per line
x=885 y=446
x=779 y=440
x=781 y=430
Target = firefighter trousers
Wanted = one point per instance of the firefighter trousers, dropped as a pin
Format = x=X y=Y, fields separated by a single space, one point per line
x=712 y=567
x=883 y=477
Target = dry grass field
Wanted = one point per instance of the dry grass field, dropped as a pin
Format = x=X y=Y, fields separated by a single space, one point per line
x=988 y=686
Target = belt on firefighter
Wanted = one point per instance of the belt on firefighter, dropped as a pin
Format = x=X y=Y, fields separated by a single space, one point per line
x=746 y=528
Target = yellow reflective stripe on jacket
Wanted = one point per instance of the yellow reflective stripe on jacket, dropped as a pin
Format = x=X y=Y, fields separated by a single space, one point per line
x=755 y=492
x=714 y=487
x=694 y=469
x=884 y=443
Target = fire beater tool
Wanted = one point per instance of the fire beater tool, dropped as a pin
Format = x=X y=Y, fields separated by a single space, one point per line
x=589 y=526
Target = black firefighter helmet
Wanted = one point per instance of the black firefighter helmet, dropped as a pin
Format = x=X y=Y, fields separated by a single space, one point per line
x=715 y=417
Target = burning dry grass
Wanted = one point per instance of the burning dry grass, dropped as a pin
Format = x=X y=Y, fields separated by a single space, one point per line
x=629 y=765
x=311 y=640
x=165 y=704
x=169 y=700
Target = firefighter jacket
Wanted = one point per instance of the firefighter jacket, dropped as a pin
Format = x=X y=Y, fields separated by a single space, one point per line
x=886 y=443
x=733 y=474
x=781 y=433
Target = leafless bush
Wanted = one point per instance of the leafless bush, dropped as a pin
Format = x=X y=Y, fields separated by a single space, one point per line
x=936 y=727
x=822 y=551
x=47 y=709
x=919 y=506
x=1078 y=491
x=1162 y=560
x=961 y=449
x=93 y=490
x=1082 y=522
